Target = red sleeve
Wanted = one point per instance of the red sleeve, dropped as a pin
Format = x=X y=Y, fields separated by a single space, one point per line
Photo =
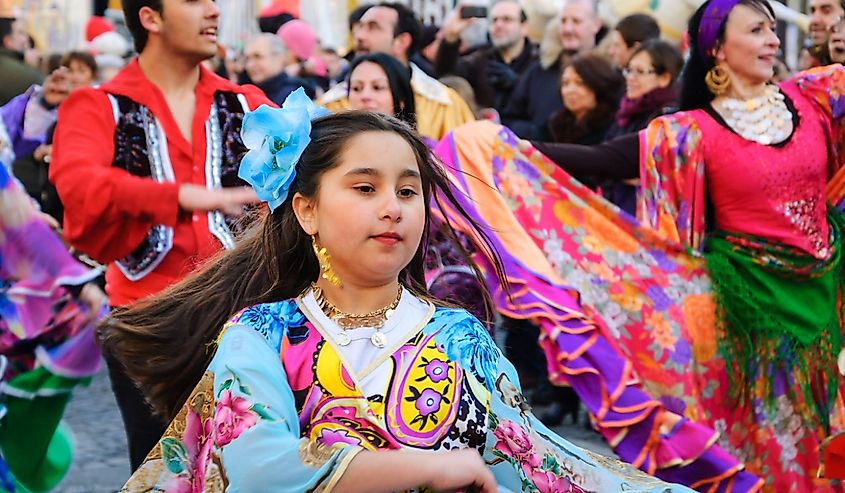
x=108 y=211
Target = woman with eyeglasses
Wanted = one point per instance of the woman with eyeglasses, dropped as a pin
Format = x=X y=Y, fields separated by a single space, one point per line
x=650 y=91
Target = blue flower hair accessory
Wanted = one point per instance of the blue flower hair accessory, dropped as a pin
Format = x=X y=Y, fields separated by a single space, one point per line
x=276 y=138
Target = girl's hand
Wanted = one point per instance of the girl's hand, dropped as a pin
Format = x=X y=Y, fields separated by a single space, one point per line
x=460 y=470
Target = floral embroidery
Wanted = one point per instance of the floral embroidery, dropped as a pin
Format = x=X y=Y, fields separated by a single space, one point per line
x=271 y=320
x=205 y=424
x=539 y=474
x=186 y=453
x=464 y=340
x=330 y=437
x=662 y=331
x=189 y=458
x=436 y=370
x=428 y=403
x=233 y=415
x=231 y=418
x=512 y=441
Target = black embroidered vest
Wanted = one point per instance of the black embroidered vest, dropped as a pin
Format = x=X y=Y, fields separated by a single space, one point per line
x=140 y=148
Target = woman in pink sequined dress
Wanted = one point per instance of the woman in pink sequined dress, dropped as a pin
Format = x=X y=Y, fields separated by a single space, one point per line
x=748 y=177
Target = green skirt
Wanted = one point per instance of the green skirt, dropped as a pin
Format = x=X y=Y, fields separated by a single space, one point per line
x=34 y=445
x=779 y=317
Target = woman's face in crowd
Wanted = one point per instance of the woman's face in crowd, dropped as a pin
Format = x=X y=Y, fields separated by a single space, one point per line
x=369 y=212
x=641 y=78
x=577 y=97
x=750 y=45
x=369 y=89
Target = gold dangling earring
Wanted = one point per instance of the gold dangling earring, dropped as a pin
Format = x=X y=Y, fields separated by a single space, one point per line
x=325 y=261
x=717 y=80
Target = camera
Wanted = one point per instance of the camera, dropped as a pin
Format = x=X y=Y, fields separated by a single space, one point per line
x=470 y=11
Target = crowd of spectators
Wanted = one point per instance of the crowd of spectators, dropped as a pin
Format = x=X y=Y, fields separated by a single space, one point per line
x=582 y=83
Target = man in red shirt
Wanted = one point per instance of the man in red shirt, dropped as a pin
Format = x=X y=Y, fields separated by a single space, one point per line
x=146 y=166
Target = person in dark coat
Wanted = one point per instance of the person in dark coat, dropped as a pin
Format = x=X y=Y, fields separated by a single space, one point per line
x=265 y=66
x=590 y=88
x=17 y=75
x=650 y=91
x=492 y=70
x=536 y=96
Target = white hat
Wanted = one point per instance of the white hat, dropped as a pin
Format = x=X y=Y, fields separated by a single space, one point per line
x=110 y=43
x=108 y=60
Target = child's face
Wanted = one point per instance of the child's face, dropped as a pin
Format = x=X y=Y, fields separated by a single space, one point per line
x=369 y=213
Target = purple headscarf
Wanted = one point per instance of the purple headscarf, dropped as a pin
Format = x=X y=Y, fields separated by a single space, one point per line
x=708 y=31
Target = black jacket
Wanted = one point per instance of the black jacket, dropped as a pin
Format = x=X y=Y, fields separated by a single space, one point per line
x=491 y=78
x=278 y=87
x=535 y=98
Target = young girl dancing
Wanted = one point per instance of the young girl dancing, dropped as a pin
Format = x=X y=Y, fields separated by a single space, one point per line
x=336 y=370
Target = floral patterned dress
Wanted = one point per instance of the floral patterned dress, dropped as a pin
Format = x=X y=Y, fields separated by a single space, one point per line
x=48 y=345
x=278 y=410
x=625 y=306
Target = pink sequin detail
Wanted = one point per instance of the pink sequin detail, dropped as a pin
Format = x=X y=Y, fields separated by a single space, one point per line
x=774 y=192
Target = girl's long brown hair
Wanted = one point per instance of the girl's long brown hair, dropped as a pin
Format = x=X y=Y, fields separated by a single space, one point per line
x=165 y=342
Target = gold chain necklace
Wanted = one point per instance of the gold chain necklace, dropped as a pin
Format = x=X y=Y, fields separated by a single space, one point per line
x=374 y=319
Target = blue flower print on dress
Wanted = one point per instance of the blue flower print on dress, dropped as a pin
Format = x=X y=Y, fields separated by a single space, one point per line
x=465 y=340
x=276 y=138
x=272 y=320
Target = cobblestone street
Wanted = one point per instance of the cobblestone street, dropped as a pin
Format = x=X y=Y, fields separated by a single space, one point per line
x=101 y=463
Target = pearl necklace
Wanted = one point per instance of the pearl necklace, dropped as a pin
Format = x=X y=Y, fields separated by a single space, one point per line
x=764 y=119
x=346 y=321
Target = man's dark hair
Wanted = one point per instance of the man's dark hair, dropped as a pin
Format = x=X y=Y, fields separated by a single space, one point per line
x=271 y=24
x=5 y=28
x=82 y=57
x=355 y=15
x=637 y=28
x=133 y=20
x=406 y=23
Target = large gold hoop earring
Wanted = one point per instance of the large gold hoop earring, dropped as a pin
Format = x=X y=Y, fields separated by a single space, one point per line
x=325 y=261
x=717 y=80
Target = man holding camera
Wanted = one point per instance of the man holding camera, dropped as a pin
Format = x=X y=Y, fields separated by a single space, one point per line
x=493 y=70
